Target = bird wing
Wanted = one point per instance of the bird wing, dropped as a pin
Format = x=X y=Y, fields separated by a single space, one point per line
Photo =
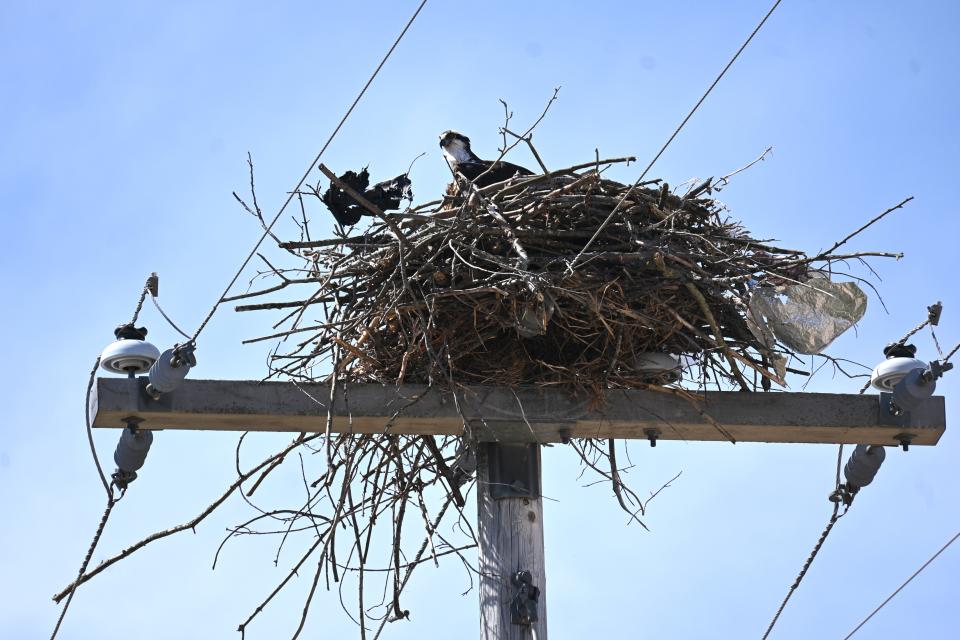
x=478 y=173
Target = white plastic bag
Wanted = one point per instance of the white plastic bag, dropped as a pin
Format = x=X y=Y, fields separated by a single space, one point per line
x=806 y=317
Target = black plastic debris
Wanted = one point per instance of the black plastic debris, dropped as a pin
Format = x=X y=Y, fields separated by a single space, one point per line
x=386 y=195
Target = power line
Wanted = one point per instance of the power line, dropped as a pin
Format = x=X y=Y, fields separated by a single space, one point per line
x=111 y=501
x=673 y=135
x=163 y=313
x=313 y=163
x=816 y=549
x=108 y=487
x=148 y=289
x=952 y=351
x=900 y=588
x=143 y=295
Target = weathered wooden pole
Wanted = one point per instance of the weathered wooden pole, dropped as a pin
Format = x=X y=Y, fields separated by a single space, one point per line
x=510 y=539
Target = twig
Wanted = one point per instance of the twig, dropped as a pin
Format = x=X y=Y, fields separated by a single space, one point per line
x=838 y=244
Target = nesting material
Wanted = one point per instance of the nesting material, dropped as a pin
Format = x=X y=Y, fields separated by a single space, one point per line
x=533 y=281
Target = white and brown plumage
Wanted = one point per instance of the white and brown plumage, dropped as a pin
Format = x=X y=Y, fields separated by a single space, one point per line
x=462 y=159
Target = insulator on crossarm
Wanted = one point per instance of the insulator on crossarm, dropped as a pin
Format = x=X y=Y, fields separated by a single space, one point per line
x=863 y=465
x=130 y=354
x=170 y=369
x=131 y=451
x=913 y=389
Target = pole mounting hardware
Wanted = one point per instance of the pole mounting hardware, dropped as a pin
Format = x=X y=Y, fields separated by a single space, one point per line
x=514 y=470
x=652 y=435
x=904 y=439
x=523 y=607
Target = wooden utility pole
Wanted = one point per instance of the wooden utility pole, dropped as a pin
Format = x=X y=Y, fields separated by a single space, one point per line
x=515 y=422
x=510 y=542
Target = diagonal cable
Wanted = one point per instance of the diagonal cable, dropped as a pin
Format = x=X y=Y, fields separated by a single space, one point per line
x=313 y=163
x=836 y=515
x=629 y=191
x=900 y=588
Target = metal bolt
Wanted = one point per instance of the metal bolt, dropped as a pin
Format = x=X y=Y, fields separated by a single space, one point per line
x=133 y=422
x=904 y=439
x=652 y=435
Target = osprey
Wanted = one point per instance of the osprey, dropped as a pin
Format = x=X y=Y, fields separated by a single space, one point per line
x=456 y=150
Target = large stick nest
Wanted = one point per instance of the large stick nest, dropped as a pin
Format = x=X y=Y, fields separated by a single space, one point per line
x=533 y=281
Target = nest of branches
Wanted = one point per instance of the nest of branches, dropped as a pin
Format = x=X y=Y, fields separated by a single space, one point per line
x=564 y=279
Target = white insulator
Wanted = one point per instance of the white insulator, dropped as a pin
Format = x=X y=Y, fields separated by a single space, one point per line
x=656 y=364
x=164 y=377
x=888 y=373
x=129 y=355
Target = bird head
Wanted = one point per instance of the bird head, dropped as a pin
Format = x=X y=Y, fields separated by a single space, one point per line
x=456 y=147
x=449 y=138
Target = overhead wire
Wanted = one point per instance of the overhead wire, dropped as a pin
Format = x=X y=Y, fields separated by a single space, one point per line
x=143 y=295
x=952 y=352
x=186 y=335
x=716 y=81
x=108 y=486
x=86 y=413
x=930 y=321
x=111 y=501
x=836 y=515
x=900 y=588
x=296 y=189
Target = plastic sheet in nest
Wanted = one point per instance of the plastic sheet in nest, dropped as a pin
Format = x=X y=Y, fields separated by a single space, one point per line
x=806 y=317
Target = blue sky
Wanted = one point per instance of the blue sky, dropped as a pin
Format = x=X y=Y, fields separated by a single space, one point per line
x=125 y=127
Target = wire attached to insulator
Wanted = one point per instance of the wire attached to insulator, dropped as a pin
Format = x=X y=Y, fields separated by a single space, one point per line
x=293 y=192
x=163 y=313
x=111 y=501
x=128 y=456
x=836 y=515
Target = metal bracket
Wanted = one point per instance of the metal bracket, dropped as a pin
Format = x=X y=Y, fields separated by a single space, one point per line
x=514 y=470
x=845 y=493
x=933 y=313
x=523 y=607
x=891 y=414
